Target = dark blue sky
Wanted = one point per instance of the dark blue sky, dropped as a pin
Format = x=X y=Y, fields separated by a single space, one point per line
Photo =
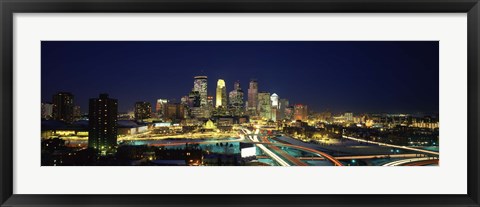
x=358 y=76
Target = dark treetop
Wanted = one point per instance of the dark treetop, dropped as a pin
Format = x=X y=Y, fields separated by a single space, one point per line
x=358 y=76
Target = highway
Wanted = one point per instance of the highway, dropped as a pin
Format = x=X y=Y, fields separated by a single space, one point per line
x=407 y=161
x=392 y=145
x=284 y=154
x=267 y=151
x=364 y=157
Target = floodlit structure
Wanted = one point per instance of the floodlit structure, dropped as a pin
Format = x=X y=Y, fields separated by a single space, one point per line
x=264 y=105
x=200 y=85
x=274 y=98
x=252 y=96
x=221 y=100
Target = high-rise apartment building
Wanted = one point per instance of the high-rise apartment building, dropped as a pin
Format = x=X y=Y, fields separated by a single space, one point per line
x=102 y=124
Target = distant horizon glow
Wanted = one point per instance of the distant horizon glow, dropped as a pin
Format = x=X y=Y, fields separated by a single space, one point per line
x=339 y=76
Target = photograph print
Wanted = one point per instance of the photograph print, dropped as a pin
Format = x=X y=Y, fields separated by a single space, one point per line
x=240 y=103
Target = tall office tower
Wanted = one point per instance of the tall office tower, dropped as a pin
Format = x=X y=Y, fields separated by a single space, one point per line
x=143 y=110
x=221 y=100
x=194 y=99
x=47 y=110
x=253 y=96
x=274 y=99
x=236 y=96
x=160 y=107
x=264 y=105
x=300 y=112
x=200 y=85
x=282 y=106
x=102 y=124
x=63 y=106
x=175 y=111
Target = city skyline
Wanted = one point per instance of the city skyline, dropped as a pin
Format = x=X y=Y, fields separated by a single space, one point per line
x=234 y=113
x=129 y=93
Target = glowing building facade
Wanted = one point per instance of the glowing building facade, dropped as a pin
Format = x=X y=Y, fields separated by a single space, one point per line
x=160 y=107
x=200 y=85
x=221 y=100
x=300 y=112
x=253 y=97
x=274 y=98
x=264 y=107
x=236 y=96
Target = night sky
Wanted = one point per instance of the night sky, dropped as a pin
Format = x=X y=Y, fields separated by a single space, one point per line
x=357 y=76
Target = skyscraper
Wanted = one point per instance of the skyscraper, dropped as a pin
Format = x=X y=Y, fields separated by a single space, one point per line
x=102 y=124
x=221 y=100
x=236 y=96
x=264 y=105
x=253 y=96
x=63 y=106
x=200 y=85
x=282 y=106
x=160 y=107
x=143 y=110
x=175 y=111
x=274 y=99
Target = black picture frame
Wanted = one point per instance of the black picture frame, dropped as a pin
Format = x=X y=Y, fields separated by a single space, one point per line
x=9 y=7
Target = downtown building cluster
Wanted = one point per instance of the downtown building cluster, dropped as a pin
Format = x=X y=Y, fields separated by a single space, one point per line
x=197 y=107
x=198 y=104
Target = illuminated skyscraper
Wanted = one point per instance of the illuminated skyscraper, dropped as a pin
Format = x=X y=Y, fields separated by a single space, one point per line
x=63 y=106
x=102 y=124
x=300 y=112
x=221 y=100
x=236 y=96
x=282 y=106
x=200 y=85
x=253 y=96
x=143 y=110
x=274 y=99
x=160 y=107
x=264 y=105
